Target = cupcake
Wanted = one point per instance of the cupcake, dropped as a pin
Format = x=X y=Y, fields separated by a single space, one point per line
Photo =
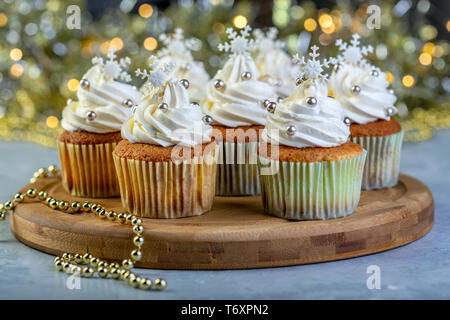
x=92 y=128
x=363 y=91
x=309 y=169
x=177 y=51
x=274 y=64
x=165 y=164
x=236 y=103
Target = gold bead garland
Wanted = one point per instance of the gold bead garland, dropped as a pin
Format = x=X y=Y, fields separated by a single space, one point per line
x=85 y=264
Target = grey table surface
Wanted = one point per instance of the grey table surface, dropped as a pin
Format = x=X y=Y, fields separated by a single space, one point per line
x=419 y=270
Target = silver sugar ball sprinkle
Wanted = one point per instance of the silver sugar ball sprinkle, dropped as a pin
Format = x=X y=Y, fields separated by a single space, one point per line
x=163 y=107
x=219 y=84
x=207 y=119
x=390 y=111
x=128 y=103
x=266 y=103
x=311 y=101
x=291 y=130
x=91 y=115
x=185 y=83
x=374 y=73
x=347 y=121
x=298 y=81
x=246 y=75
x=279 y=99
x=85 y=84
x=195 y=104
x=271 y=106
x=356 y=89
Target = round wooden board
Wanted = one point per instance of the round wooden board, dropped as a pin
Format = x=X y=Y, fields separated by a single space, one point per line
x=236 y=234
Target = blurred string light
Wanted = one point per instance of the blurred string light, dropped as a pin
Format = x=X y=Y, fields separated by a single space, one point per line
x=240 y=21
x=3 y=19
x=150 y=43
x=280 y=15
x=428 y=32
x=15 y=54
x=310 y=24
x=425 y=59
x=408 y=81
x=116 y=43
x=52 y=122
x=73 y=84
x=297 y=12
x=390 y=77
x=16 y=70
x=423 y=6
x=448 y=25
x=145 y=10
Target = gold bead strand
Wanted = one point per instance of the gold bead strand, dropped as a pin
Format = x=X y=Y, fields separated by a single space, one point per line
x=85 y=264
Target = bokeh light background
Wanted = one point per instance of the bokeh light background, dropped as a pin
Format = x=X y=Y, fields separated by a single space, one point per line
x=41 y=60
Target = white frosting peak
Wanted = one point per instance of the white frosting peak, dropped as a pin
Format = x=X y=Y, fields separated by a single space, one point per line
x=181 y=123
x=105 y=98
x=318 y=124
x=239 y=103
x=374 y=98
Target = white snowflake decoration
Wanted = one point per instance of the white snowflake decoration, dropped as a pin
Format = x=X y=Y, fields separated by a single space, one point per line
x=238 y=44
x=158 y=76
x=175 y=44
x=267 y=41
x=112 y=69
x=311 y=68
x=353 y=53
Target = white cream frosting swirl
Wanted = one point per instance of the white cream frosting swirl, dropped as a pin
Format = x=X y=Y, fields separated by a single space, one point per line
x=317 y=125
x=181 y=124
x=105 y=99
x=372 y=101
x=240 y=103
x=277 y=69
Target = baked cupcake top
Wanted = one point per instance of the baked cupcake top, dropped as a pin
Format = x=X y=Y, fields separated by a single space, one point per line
x=165 y=116
x=235 y=97
x=177 y=51
x=274 y=64
x=103 y=103
x=308 y=117
x=360 y=87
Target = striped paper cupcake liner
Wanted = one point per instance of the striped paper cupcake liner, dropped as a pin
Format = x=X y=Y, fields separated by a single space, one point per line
x=237 y=169
x=167 y=189
x=312 y=190
x=88 y=170
x=383 y=160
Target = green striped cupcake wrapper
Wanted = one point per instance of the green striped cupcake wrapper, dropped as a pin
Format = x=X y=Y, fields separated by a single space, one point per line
x=237 y=169
x=311 y=190
x=383 y=160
